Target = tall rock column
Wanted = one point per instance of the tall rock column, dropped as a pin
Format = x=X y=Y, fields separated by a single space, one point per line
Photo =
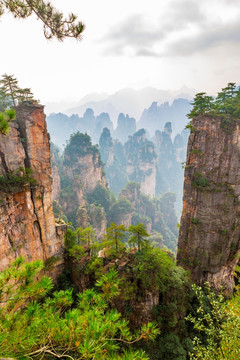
x=209 y=237
x=27 y=225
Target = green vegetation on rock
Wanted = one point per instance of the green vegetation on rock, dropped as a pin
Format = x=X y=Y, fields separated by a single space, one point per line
x=79 y=145
x=5 y=118
x=226 y=105
x=15 y=181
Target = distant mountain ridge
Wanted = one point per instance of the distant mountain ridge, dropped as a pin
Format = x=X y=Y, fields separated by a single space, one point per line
x=128 y=101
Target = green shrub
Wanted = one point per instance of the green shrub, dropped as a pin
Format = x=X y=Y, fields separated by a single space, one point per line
x=199 y=180
x=15 y=181
x=195 y=221
x=5 y=118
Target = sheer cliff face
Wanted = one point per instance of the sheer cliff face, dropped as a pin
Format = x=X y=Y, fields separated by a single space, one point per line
x=209 y=238
x=27 y=225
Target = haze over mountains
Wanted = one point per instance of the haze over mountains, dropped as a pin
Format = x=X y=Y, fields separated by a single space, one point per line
x=128 y=101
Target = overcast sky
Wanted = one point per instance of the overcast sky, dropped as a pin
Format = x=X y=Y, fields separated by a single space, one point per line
x=129 y=43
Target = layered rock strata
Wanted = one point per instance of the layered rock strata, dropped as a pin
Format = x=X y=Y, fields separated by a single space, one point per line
x=209 y=237
x=27 y=225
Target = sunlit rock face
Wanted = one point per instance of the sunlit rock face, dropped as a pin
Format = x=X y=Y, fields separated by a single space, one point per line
x=27 y=225
x=209 y=237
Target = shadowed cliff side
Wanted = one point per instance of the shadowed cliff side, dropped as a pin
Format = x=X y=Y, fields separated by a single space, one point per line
x=27 y=225
x=209 y=237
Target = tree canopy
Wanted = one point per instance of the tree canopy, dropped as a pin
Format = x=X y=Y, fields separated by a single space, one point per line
x=55 y=327
x=54 y=22
x=11 y=94
x=138 y=235
x=114 y=236
x=227 y=102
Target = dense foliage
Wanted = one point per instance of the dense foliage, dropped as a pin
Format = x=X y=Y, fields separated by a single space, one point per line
x=39 y=322
x=144 y=273
x=216 y=324
x=57 y=328
x=100 y=196
x=78 y=145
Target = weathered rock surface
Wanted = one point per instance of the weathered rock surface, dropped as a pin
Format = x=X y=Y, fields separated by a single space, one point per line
x=209 y=238
x=27 y=225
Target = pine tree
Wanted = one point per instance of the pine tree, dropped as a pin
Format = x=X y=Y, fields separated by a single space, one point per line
x=57 y=328
x=114 y=236
x=54 y=23
x=85 y=236
x=9 y=87
x=139 y=234
x=5 y=101
x=202 y=104
x=25 y=95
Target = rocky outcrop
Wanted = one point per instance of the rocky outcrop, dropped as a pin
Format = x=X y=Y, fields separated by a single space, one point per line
x=82 y=175
x=125 y=126
x=170 y=173
x=209 y=238
x=27 y=225
x=86 y=172
x=141 y=162
x=114 y=158
x=156 y=116
x=62 y=126
x=106 y=147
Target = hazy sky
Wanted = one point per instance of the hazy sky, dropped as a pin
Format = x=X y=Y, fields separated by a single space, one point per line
x=129 y=43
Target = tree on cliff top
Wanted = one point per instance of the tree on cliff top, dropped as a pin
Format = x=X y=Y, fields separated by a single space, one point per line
x=11 y=93
x=54 y=23
x=226 y=104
